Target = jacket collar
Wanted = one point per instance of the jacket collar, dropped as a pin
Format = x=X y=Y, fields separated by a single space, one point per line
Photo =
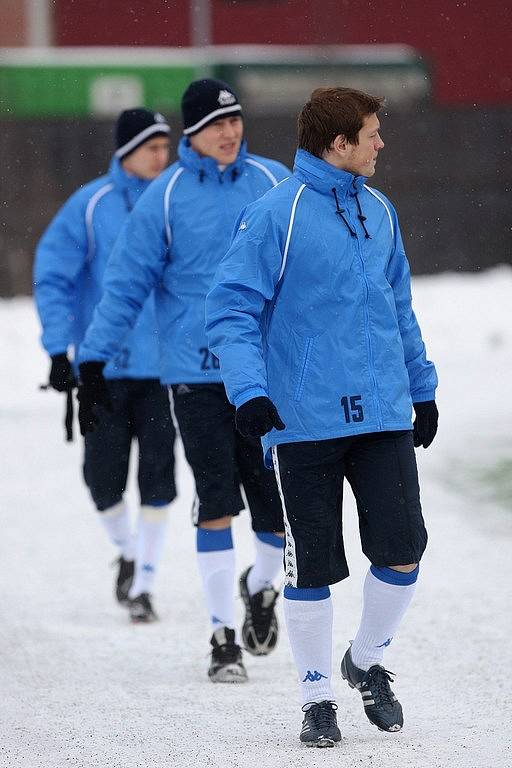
x=322 y=176
x=207 y=166
x=132 y=185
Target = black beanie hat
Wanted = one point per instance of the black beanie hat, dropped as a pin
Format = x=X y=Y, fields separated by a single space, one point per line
x=205 y=101
x=136 y=126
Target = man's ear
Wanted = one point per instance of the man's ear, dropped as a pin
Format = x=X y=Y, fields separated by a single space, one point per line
x=340 y=144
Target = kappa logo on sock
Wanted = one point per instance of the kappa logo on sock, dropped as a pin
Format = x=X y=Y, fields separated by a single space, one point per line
x=314 y=677
x=385 y=643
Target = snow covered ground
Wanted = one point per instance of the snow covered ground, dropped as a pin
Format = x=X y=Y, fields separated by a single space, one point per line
x=80 y=686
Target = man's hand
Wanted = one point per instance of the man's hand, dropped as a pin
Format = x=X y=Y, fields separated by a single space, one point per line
x=425 y=423
x=61 y=373
x=92 y=392
x=256 y=417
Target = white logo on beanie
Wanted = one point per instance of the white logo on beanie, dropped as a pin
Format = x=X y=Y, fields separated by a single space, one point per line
x=159 y=118
x=225 y=98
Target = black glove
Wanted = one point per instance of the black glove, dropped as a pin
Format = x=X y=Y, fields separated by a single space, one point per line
x=425 y=423
x=61 y=373
x=92 y=392
x=256 y=417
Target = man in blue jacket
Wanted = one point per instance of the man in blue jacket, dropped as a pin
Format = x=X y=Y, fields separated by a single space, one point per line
x=322 y=356
x=70 y=263
x=173 y=242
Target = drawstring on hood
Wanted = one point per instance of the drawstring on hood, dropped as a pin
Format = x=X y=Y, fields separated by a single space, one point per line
x=127 y=201
x=362 y=218
x=329 y=180
x=340 y=212
x=207 y=167
x=360 y=215
x=234 y=175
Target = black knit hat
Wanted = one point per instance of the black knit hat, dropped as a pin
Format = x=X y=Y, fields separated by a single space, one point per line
x=136 y=126
x=205 y=101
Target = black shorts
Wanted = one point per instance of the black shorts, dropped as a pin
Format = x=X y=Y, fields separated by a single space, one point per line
x=141 y=409
x=222 y=460
x=381 y=470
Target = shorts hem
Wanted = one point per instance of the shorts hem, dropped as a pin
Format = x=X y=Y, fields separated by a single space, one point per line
x=210 y=517
x=303 y=583
x=162 y=498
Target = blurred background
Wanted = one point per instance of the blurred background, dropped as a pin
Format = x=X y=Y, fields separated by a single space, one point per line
x=67 y=67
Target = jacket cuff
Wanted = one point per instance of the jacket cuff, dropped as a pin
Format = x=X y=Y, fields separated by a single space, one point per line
x=423 y=396
x=249 y=394
x=59 y=348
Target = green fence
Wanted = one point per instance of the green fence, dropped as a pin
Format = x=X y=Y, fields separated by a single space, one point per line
x=48 y=91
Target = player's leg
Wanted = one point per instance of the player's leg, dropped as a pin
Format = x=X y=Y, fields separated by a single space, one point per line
x=154 y=429
x=204 y=421
x=106 y=460
x=310 y=480
x=257 y=583
x=381 y=469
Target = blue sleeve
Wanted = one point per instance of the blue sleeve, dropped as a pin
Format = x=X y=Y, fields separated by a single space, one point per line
x=243 y=286
x=134 y=268
x=422 y=373
x=60 y=258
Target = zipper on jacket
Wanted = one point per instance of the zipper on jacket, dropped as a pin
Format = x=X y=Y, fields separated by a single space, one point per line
x=369 y=340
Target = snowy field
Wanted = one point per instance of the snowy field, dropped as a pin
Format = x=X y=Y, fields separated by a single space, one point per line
x=80 y=686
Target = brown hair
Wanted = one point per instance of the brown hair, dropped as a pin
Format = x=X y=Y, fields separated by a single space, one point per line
x=331 y=112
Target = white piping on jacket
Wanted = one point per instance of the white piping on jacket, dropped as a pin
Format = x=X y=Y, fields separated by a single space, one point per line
x=263 y=169
x=167 y=195
x=290 y=227
x=372 y=192
x=89 y=212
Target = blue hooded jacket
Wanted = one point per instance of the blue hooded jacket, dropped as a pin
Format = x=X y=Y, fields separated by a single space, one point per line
x=311 y=306
x=71 y=258
x=173 y=241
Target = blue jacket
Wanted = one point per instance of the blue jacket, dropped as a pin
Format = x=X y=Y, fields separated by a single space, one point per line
x=174 y=241
x=68 y=275
x=311 y=312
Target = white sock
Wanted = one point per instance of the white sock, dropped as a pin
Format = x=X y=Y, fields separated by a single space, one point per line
x=151 y=529
x=216 y=561
x=268 y=562
x=117 y=522
x=309 y=625
x=384 y=604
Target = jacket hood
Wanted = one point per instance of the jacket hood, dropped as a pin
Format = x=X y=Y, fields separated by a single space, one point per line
x=134 y=186
x=207 y=166
x=322 y=176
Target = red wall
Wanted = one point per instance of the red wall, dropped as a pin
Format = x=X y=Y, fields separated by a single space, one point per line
x=467 y=44
x=121 y=22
